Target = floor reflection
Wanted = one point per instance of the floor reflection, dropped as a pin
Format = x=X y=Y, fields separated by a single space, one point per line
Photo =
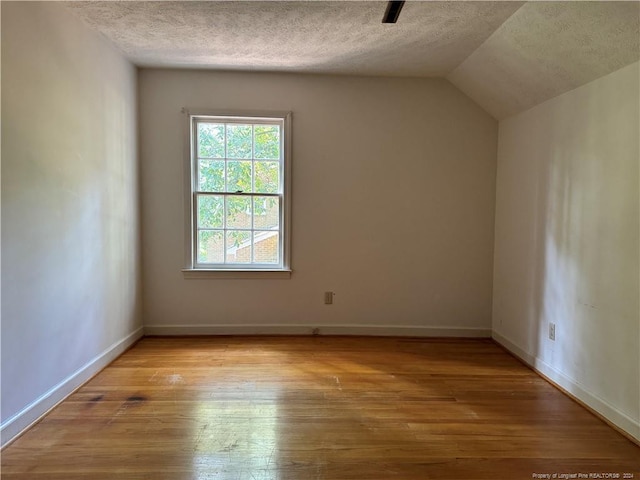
x=237 y=439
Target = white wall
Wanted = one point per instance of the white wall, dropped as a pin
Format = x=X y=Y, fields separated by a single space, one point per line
x=567 y=242
x=70 y=222
x=393 y=207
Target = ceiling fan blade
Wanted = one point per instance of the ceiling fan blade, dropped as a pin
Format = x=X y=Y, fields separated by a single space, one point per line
x=393 y=11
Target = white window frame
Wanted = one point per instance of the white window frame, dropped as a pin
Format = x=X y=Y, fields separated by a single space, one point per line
x=192 y=268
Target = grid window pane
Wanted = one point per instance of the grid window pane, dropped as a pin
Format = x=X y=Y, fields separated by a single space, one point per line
x=267 y=142
x=211 y=140
x=211 y=175
x=238 y=212
x=266 y=246
x=238 y=246
x=239 y=144
x=267 y=177
x=210 y=211
x=266 y=213
x=239 y=176
x=210 y=246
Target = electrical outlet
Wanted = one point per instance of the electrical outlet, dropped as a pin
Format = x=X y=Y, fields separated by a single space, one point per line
x=552 y=331
x=328 y=298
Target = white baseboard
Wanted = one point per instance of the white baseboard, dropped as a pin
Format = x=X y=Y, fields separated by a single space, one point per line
x=367 y=330
x=611 y=413
x=15 y=425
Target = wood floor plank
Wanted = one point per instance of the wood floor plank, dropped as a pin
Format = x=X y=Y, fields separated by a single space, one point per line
x=266 y=408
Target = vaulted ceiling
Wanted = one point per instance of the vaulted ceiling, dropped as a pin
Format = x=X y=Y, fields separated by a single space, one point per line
x=507 y=56
x=548 y=48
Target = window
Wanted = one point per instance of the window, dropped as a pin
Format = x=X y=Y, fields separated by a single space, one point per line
x=239 y=171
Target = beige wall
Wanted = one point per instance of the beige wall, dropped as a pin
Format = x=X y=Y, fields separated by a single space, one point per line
x=393 y=207
x=567 y=237
x=70 y=234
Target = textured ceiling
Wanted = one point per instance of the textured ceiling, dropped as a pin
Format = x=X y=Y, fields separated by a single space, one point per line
x=507 y=56
x=430 y=39
x=548 y=48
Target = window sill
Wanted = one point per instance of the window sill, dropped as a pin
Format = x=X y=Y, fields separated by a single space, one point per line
x=201 y=274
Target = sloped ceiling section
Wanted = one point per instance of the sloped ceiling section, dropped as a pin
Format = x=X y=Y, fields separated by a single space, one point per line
x=546 y=49
x=345 y=37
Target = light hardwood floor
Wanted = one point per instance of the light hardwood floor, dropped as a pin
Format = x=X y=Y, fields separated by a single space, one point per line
x=266 y=408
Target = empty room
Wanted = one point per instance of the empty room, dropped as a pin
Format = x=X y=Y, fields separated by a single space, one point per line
x=320 y=240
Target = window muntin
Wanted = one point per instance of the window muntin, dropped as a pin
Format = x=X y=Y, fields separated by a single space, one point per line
x=238 y=192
